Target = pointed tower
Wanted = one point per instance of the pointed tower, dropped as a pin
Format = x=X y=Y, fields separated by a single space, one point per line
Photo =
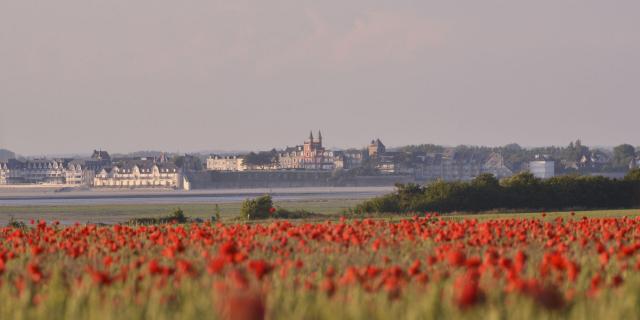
x=308 y=145
x=319 y=138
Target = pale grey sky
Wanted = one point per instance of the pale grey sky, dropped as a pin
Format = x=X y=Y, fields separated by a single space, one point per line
x=251 y=74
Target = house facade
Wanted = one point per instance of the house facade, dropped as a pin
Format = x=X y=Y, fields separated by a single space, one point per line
x=77 y=173
x=136 y=174
x=309 y=156
x=291 y=158
x=4 y=172
x=542 y=168
x=53 y=171
x=349 y=159
x=376 y=148
x=451 y=167
x=37 y=171
x=225 y=163
x=495 y=166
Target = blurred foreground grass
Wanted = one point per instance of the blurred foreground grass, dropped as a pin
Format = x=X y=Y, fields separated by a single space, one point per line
x=333 y=208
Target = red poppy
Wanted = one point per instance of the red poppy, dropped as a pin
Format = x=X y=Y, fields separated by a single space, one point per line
x=260 y=268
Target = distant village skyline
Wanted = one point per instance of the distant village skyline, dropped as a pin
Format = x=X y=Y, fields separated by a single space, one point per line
x=419 y=162
x=89 y=150
x=213 y=150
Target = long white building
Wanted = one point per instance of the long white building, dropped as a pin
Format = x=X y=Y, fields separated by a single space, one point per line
x=134 y=174
x=41 y=171
x=225 y=163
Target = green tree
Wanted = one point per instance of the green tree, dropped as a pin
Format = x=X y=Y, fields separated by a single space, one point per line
x=574 y=151
x=178 y=161
x=188 y=162
x=258 y=208
x=483 y=193
x=423 y=148
x=487 y=180
x=382 y=204
x=633 y=175
x=261 y=160
x=178 y=216
x=407 y=195
x=623 y=154
x=633 y=180
x=217 y=213
x=523 y=191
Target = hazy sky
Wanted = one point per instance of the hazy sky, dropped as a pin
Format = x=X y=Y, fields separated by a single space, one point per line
x=254 y=74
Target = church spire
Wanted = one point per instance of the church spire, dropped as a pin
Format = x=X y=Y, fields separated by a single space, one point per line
x=311 y=136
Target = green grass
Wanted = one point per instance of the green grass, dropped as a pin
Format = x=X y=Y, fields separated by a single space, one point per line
x=142 y=296
x=550 y=215
x=139 y=295
x=122 y=212
x=333 y=208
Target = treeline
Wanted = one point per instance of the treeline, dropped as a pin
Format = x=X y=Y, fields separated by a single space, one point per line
x=519 y=192
x=516 y=156
x=262 y=159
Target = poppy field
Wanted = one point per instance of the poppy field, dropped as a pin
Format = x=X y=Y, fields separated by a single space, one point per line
x=422 y=267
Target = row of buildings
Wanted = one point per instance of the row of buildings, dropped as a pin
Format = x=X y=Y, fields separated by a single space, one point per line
x=99 y=171
x=433 y=166
x=37 y=171
x=312 y=155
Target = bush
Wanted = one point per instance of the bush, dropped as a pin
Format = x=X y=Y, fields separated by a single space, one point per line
x=633 y=175
x=520 y=192
x=293 y=214
x=13 y=223
x=389 y=203
x=177 y=216
x=217 y=214
x=633 y=180
x=258 y=208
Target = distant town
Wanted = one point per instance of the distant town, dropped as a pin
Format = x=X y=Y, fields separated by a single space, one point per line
x=312 y=164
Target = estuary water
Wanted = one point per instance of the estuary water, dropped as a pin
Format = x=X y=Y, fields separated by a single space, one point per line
x=106 y=197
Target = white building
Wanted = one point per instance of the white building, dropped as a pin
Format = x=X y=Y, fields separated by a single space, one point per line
x=77 y=174
x=542 y=169
x=41 y=171
x=226 y=163
x=136 y=174
x=310 y=156
x=4 y=172
x=348 y=159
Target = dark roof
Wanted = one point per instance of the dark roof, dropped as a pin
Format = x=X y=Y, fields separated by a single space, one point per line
x=143 y=165
x=377 y=143
x=14 y=164
x=17 y=164
x=100 y=154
